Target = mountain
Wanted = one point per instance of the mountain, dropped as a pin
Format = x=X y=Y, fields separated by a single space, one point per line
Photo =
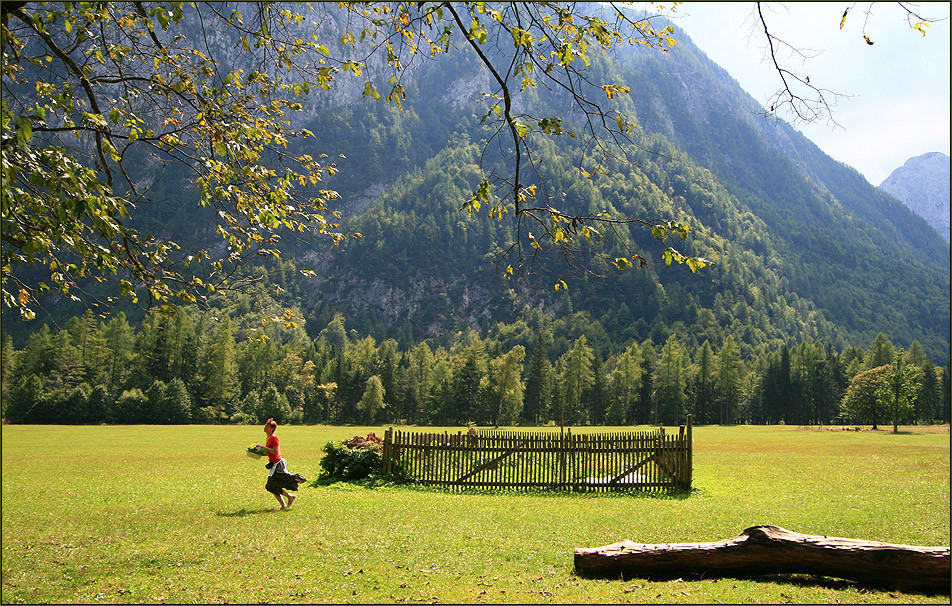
x=922 y=184
x=803 y=247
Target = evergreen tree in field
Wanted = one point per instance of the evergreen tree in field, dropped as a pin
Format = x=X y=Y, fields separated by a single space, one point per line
x=945 y=406
x=881 y=352
x=776 y=397
x=728 y=382
x=155 y=349
x=838 y=382
x=155 y=402
x=25 y=404
x=100 y=405
x=624 y=381
x=576 y=376
x=703 y=385
x=597 y=395
x=176 y=406
x=505 y=386
x=118 y=339
x=465 y=404
x=88 y=343
x=672 y=382
x=74 y=407
x=8 y=364
x=929 y=395
x=220 y=374
x=535 y=402
x=647 y=411
x=420 y=381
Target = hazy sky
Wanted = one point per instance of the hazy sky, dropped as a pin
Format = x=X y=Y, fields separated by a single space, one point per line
x=899 y=85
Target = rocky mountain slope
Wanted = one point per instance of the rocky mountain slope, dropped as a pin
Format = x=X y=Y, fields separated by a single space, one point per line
x=922 y=184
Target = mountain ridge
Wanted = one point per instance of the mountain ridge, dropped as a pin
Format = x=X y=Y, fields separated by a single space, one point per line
x=803 y=247
x=922 y=184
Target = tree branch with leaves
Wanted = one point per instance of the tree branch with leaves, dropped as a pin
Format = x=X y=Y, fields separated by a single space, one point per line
x=99 y=97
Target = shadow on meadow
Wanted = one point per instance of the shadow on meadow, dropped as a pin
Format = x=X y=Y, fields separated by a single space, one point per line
x=809 y=581
x=243 y=512
x=376 y=482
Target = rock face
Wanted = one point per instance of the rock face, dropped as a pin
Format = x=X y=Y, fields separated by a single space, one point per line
x=922 y=184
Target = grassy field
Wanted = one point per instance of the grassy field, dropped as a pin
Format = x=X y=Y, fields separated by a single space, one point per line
x=179 y=514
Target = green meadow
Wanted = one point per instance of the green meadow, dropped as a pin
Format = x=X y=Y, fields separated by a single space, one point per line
x=127 y=514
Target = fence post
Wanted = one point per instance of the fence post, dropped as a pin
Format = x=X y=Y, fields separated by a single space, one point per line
x=690 y=462
x=387 y=451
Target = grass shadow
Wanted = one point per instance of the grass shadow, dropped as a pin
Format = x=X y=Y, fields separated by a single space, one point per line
x=374 y=483
x=802 y=580
x=809 y=581
x=243 y=512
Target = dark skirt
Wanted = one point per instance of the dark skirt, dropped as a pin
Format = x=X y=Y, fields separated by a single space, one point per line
x=280 y=480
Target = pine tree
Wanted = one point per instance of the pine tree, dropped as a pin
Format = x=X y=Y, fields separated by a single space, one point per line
x=704 y=385
x=221 y=371
x=118 y=342
x=929 y=395
x=597 y=394
x=420 y=372
x=728 y=382
x=671 y=382
x=534 y=400
x=8 y=364
x=881 y=352
x=576 y=376
x=647 y=408
x=505 y=385
x=624 y=382
x=945 y=410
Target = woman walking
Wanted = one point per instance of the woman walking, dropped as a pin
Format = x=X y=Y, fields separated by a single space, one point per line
x=279 y=480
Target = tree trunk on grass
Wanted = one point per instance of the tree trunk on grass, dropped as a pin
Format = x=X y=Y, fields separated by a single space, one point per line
x=763 y=550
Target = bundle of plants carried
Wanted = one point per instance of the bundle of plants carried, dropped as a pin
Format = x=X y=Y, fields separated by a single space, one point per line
x=354 y=459
x=255 y=452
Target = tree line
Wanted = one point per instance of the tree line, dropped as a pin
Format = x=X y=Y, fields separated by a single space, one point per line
x=188 y=366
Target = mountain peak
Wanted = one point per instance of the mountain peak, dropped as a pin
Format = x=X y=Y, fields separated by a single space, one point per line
x=922 y=184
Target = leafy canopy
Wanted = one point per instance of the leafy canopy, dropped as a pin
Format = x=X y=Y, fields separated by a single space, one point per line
x=99 y=96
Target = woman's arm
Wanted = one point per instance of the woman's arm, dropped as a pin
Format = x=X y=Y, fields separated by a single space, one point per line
x=267 y=449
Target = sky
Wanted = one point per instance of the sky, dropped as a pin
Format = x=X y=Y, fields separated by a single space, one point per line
x=899 y=86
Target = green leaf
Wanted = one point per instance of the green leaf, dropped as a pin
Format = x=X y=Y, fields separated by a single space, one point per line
x=370 y=91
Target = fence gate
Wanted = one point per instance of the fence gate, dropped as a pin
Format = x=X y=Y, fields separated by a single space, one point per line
x=539 y=459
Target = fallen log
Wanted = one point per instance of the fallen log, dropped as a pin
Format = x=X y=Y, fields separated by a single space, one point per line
x=761 y=550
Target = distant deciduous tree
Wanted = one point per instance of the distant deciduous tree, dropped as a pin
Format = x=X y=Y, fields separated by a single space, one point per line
x=373 y=399
x=897 y=393
x=862 y=402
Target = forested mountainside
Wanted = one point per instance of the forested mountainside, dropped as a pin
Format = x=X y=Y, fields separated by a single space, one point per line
x=817 y=281
x=802 y=246
x=922 y=184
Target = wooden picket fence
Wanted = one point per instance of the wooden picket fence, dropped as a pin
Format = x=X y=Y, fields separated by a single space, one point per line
x=557 y=460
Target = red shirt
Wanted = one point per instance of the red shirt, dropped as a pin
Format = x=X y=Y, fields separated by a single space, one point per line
x=273 y=442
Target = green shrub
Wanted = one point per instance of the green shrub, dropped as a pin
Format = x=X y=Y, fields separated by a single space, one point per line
x=342 y=462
